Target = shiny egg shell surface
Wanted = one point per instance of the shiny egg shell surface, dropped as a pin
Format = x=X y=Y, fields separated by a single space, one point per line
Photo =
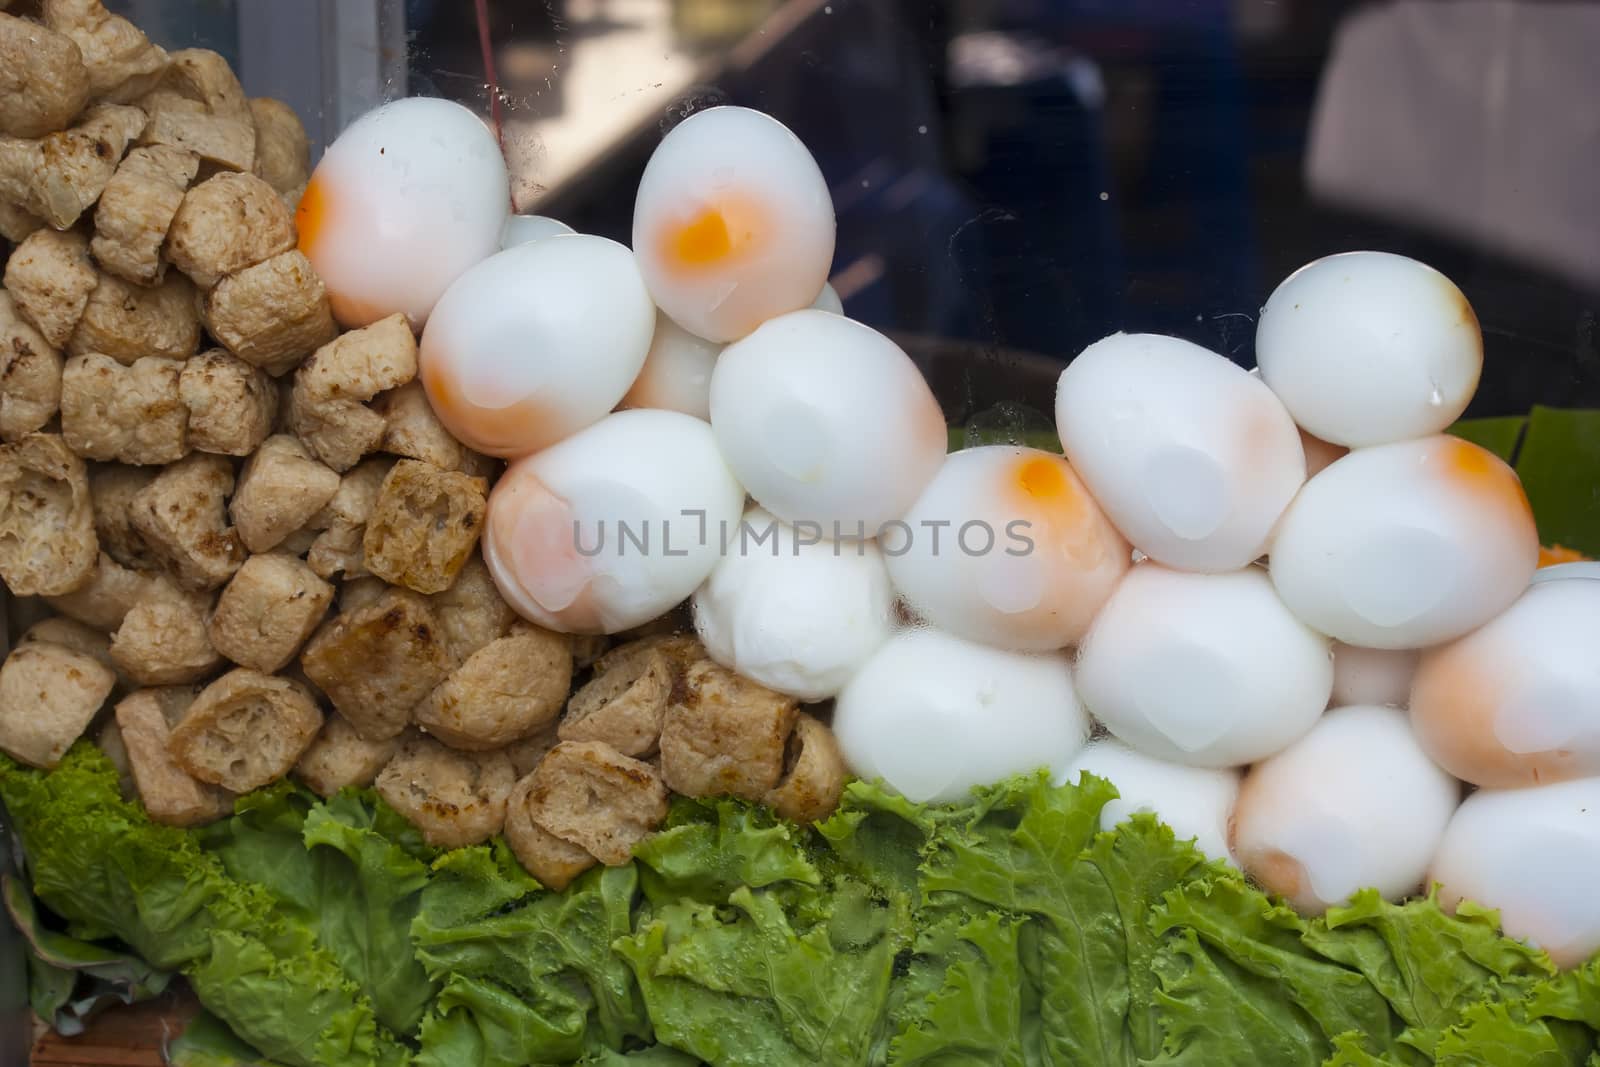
x=1195 y=801
x=526 y=229
x=677 y=371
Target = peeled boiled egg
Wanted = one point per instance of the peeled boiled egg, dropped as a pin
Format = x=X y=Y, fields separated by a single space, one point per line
x=613 y=526
x=1406 y=545
x=826 y=420
x=1517 y=701
x=1365 y=348
x=828 y=300
x=1530 y=854
x=796 y=612
x=1195 y=801
x=677 y=371
x=536 y=342
x=1372 y=675
x=1354 y=803
x=408 y=197
x=1192 y=458
x=525 y=229
x=933 y=715
x=1007 y=547
x=733 y=223
x=1210 y=670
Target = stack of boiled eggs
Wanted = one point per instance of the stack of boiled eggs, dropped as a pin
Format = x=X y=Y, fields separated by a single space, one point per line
x=1304 y=613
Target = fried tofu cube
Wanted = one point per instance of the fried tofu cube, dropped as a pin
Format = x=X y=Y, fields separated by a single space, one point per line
x=270 y=315
x=200 y=106
x=471 y=612
x=411 y=429
x=131 y=414
x=171 y=795
x=136 y=211
x=554 y=862
x=112 y=487
x=455 y=798
x=328 y=406
x=226 y=223
x=47 y=539
x=30 y=375
x=590 y=795
x=122 y=63
x=623 y=706
x=17 y=223
x=43 y=82
x=814 y=774
x=377 y=662
x=424 y=526
x=527 y=753
x=245 y=730
x=131 y=322
x=280 y=489
x=337 y=548
x=73 y=636
x=508 y=689
x=725 y=735
x=231 y=404
x=50 y=276
x=357 y=593
x=340 y=758
x=106 y=598
x=268 y=611
x=163 y=638
x=683 y=650
x=283 y=152
x=48 y=697
x=60 y=176
x=182 y=516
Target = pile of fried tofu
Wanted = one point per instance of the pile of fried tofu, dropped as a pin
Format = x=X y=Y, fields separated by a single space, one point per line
x=260 y=545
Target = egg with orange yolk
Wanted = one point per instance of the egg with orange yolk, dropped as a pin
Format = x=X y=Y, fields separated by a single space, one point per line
x=1007 y=547
x=1531 y=855
x=1192 y=457
x=536 y=342
x=1209 y=670
x=408 y=197
x=1353 y=804
x=677 y=371
x=1516 y=702
x=612 y=527
x=733 y=223
x=825 y=420
x=1406 y=545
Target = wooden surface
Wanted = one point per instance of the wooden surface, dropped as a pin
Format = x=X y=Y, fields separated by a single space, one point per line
x=132 y=1036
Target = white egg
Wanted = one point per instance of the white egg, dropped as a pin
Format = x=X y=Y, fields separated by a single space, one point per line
x=933 y=716
x=525 y=229
x=1205 y=669
x=1365 y=348
x=1007 y=547
x=1195 y=801
x=408 y=197
x=1517 y=701
x=1531 y=854
x=1352 y=804
x=612 y=527
x=1555 y=572
x=1406 y=545
x=1372 y=675
x=826 y=420
x=828 y=300
x=677 y=372
x=1192 y=458
x=794 y=612
x=536 y=342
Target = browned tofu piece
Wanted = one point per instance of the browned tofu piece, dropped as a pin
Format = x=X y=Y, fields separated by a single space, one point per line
x=226 y=223
x=50 y=276
x=170 y=794
x=280 y=489
x=510 y=688
x=725 y=735
x=377 y=662
x=43 y=82
x=136 y=210
x=813 y=776
x=106 y=598
x=340 y=758
x=245 y=730
x=586 y=648
x=455 y=798
x=17 y=223
x=199 y=106
x=131 y=322
x=526 y=753
x=424 y=526
x=121 y=61
x=357 y=593
x=268 y=611
x=231 y=404
x=48 y=697
x=283 y=152
x=623 y=706
x=182 y=516
x=30 y=375
x=73 y=636
x=590 y=795
x=131 y=414
x=471 y=612
x=60 y=176
x=163 y=638
x=682 y=650
x=337 y=547
x=47 y=539
x=554 y=862
x=272 y=314
x=328 y=407
x=411 y=429
x=112 y=486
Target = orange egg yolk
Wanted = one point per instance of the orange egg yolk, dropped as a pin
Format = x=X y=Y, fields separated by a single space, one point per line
x=1481 y=472
x=1042 y=479
x=310 y=214
x=713 y=235
x=1550 y=555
